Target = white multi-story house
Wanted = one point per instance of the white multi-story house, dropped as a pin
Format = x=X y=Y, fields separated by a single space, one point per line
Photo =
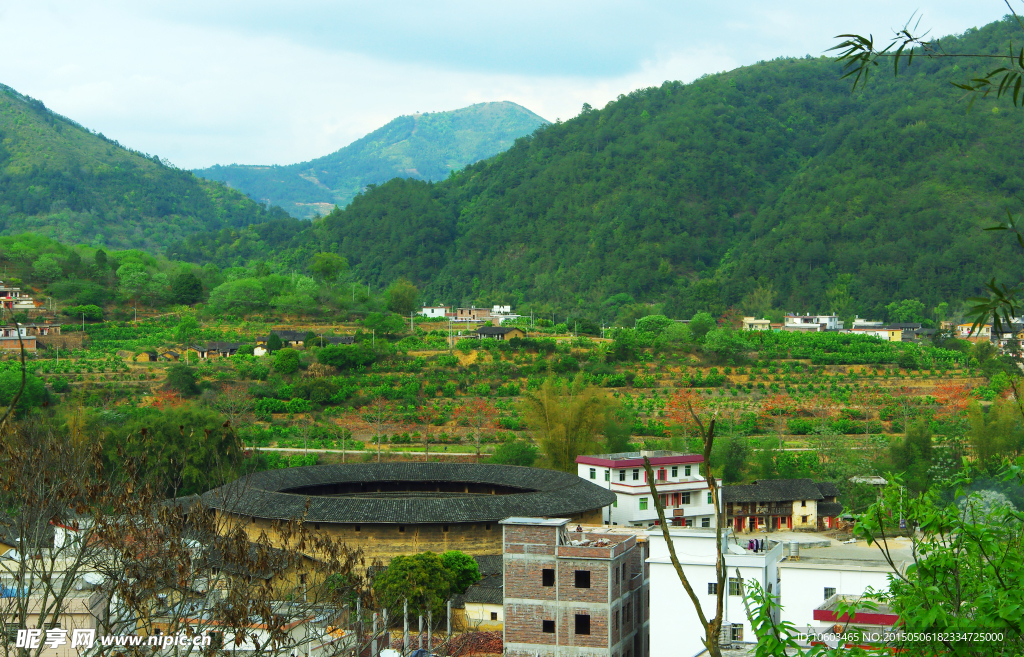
x=807 y=585
x=812 y=323
x=678 y=478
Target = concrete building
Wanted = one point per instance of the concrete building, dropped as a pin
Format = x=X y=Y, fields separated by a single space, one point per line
x=573 y=594
x=675 y=627
x=678 y=479
x=754 y=324
x=433 y=312
x=812 y=323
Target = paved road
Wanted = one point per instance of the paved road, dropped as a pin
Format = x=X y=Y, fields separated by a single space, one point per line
x=324 y=450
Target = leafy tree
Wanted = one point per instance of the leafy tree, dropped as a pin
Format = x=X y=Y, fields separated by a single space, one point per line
x=133 y=279
x=274 y=342
x=47 y=268
x=462 y=568
x=995 y=435
x=653 y=324
x=243 y=295
x=101 y=260
x=186 y=288
x=401 y=296
x=92 y=313
x=734 y=454
x=516 y=452
x=701 y=325
x=914 y=455
x=569 y=420
x=906 y=311
x=723 y=344
x=32 y=396
x=286 y=361
x=618 y=430
x=384 y=324
x=422 y=579
x=328 y=266
x=182 y=379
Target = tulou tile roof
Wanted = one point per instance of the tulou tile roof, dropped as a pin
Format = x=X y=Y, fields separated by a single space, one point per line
x=544 y=493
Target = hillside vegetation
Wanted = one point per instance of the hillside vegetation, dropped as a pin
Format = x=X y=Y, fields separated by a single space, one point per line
x=61 y=180
x=767 y=187
x=422 y=146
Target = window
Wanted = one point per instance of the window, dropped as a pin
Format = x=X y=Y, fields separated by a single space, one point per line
x=684 y=498
x=636 y=474
x=401 y=529
x=643 y=503
x=607 y=475
x=582 y=624
x=593 y=473
x=712 y=588
x=622 y=475
x=494 y=615
x=737 y=632
x=710 y=501
x=357 y=527
x=487 y=526
x=548 y=627
x=547 y=577
x=615 y=577
x=705 y=522
x=661 y=474
x=686 y=470
x=675 y=470
x=316 y=526
x=624 y=577
x=829 y=592
x=803 y=519
x=583 y=579
x=734 y=586
x=444 y=528
x=803 y=502
x=615 y=619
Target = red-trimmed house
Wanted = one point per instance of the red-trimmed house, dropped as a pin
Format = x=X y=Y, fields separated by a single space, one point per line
x=678 y=478
x=782 y=504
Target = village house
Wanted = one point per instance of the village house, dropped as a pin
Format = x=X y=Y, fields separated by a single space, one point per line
x=812 y=323
x=778 y=504
x=754 y=324
x=289 y=338
x=573 y=592
x=471 y=314
x=434 y=312
x=12 y=298
x=219 y=349
x=982 y=333
x=677 y=477
x=500 y=332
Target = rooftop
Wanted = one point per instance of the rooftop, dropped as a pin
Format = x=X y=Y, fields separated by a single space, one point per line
x=623 y=459
x=399 y=493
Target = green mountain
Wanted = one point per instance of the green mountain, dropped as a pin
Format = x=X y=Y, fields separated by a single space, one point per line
x=64 y=181
x=770 y=186
x=422 y=146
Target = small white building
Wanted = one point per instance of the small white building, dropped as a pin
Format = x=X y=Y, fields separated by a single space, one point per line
x=678 y=479
x=755 y=324
x=812 y=323
x=675 y=627
x=433 y=312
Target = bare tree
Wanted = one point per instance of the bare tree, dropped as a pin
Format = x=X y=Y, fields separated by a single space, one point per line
x=379 y=413
x=712 y=626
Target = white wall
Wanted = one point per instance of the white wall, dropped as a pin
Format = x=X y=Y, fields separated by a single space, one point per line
x=675 y=628
x=803 y=585
x=631 y=491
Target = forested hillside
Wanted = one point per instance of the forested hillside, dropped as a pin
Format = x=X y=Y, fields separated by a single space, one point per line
x=61 y=180
x=767 y=187
x=422 y=146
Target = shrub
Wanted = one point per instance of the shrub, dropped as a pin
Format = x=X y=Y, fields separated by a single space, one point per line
x=286 y=361
x=515 y=453
x=182 y=379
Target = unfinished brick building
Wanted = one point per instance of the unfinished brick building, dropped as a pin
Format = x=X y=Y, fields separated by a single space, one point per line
x=573 y=594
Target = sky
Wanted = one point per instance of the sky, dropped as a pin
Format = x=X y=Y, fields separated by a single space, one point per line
x=203 y=82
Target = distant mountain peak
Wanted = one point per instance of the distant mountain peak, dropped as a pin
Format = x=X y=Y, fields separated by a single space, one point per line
x=421 y=145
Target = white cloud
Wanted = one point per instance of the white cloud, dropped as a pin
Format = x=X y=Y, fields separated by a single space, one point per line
x=262 y=82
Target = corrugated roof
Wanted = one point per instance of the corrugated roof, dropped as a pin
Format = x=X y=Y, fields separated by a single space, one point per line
x=544 y=493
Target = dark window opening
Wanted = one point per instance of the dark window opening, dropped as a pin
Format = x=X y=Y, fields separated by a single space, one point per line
x=494 y=615
x=548 y=626
x=712 y=588
x=487 y=526
x=547 y=577
x=583 y=581
x=401 y=528
x=582 y=624
x=444 y=528
x=316 y=526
